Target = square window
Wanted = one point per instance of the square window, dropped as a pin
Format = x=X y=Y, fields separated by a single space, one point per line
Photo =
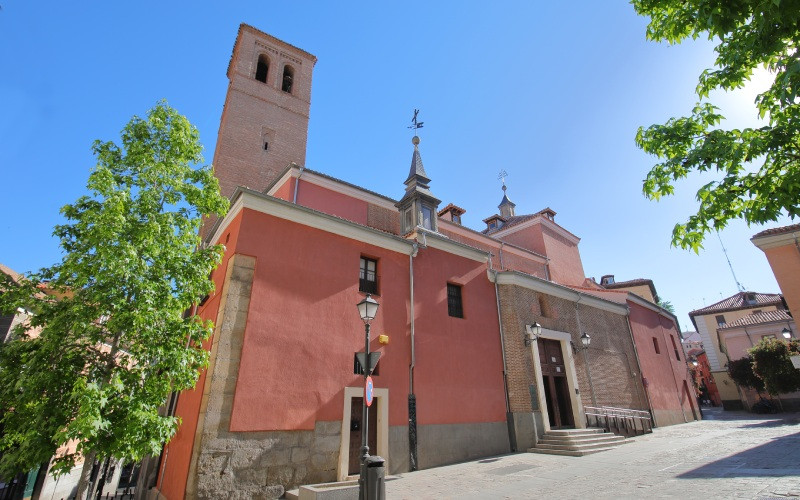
x=655 y=345
x=368 y=276
x=720 y=320
x=454 y=304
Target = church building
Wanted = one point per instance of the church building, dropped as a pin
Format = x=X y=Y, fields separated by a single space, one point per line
x=479 y=331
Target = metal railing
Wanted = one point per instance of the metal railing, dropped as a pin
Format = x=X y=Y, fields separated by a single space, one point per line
x=622 y=421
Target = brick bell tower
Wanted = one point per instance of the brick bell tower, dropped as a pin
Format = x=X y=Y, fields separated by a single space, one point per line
x=264 y=126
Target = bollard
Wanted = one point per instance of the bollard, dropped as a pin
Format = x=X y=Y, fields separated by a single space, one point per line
x=375 y=486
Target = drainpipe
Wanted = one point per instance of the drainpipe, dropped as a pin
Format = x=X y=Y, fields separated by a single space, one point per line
x=585 y=355
x=547 y=269
x=639 y=366
x=502 y=266
x=512 y=435
x=297 y=184
x=412 y=398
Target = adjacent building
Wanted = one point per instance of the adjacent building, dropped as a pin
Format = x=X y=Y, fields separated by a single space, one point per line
x=782 y=248
x=710 y=322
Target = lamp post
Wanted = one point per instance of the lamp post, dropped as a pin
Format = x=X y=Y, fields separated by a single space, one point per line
x=787 y=334
x=367 y=309
x=586 y=340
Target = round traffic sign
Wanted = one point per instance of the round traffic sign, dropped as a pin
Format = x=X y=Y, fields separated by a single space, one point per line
x=368 y=391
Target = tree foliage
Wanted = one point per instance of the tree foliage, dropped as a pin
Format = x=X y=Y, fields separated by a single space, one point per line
x=772 y=364
x=760 y=167
x=741 y=372
x=110 y=339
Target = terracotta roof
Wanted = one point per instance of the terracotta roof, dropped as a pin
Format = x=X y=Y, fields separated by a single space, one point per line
x=739 y=301
x=15 y=276
x=452 y=207
x=778 y=230
x=781 y=315
x=623 y=284
x=511 y=221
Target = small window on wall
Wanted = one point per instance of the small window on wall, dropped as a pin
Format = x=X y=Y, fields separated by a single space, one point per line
x=408 y=220
x=655 y=345
x=368 y=276
x=720 y=319
x=455 y=307
x=675 y=348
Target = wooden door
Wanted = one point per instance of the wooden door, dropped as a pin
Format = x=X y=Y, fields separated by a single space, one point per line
x=355 y=433
x=556 y=388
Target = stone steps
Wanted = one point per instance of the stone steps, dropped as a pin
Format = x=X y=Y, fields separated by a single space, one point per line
x=577 y=442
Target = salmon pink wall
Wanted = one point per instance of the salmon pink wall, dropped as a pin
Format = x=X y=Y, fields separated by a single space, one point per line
x=302 y=314
x=286 y=190
x=303 y=327
x=459 y=364
x=785 y=264
x=565 y=258
x=322 y=199
x=178 y=453
x=664 y=373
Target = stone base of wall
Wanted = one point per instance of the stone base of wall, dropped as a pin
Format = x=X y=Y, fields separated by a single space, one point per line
x=444 y=444
x=664 y=418
x=524 y=429
x=264 y=464
x=398 y=450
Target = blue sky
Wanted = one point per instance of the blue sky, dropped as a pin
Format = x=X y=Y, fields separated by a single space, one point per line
x=550 y=92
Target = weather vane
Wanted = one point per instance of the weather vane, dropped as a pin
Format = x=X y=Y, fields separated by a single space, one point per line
x=415 y=124
x=502 y=178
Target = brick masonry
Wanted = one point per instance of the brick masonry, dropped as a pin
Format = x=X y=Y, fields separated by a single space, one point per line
x=611 y=356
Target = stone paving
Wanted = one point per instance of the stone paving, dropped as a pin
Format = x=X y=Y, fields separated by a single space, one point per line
x=727 y=455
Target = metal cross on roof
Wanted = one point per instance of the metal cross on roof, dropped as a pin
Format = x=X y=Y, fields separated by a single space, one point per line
x=502 y=177
x=415 y=124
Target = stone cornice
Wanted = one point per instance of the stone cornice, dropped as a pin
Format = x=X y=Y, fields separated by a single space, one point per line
x=247 y=198
x=556 y=290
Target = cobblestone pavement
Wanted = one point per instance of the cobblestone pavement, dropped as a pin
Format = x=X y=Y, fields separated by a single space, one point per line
x=728 y=455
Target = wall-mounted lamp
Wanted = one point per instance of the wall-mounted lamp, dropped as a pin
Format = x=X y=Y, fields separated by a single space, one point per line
x=787 y=334
x=585 y=340
x=532 y=333
x=694 y=362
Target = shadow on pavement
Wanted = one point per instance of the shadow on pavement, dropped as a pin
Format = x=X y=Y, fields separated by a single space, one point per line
x=780 y=457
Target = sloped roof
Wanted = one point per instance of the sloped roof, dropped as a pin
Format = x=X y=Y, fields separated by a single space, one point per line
x=15 y=276
x=739 y=301
x=778 y=230
x=759 y=318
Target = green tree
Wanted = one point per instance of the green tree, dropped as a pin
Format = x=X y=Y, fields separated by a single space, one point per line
x=760 y=167
x=772 y=363
x=742 y=373
x=111 y=339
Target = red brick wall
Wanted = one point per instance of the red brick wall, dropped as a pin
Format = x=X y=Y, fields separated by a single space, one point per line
x=611 y=357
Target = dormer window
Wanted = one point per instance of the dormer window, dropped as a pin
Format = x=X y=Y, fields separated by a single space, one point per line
x=750 y=298
x=457 y=219
x=262 y=68
x=288 y=79
x=427 y=215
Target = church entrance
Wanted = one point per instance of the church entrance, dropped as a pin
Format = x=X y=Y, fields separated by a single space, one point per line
x=556 y=388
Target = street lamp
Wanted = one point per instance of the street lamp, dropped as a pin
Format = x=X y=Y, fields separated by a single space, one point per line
x=694 y=362
x=532 y=332
x=787 y=334
x=367 y=309
x=586 y=340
